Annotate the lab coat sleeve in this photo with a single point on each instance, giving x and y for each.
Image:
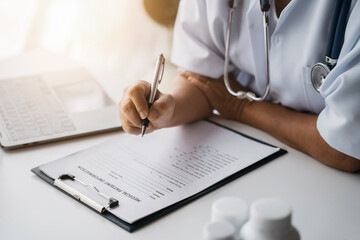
(339, 122)
(193, 47)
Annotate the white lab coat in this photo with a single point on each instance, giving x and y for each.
(298, 41)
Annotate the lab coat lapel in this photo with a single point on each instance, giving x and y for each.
(256, 33)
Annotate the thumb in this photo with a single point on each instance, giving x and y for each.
(162, 110)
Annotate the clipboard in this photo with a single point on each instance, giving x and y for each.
(131, 227)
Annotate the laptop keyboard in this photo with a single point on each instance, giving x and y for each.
(28, 109)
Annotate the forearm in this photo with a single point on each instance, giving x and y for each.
(191, 104)
(297, 130)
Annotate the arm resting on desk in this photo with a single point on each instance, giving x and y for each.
(297, 130)
(293, 128)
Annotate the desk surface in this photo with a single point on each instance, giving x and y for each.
(325, 201)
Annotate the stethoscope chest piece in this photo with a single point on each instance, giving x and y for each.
(318, 75)
(335, 42)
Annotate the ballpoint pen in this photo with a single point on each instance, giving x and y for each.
(158, 74)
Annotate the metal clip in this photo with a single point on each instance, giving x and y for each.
(112, 202)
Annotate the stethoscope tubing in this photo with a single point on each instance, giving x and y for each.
(242, 94)
(319, 71)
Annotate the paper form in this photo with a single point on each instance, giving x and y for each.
(150, 173)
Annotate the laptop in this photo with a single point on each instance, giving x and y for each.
(53, 106)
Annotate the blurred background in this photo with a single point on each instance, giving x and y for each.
(121, 36)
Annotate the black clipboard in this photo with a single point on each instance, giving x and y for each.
(156, 215)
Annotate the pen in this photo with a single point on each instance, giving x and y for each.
(158, 74)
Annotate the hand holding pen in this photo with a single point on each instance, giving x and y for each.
(158, 74)
(134, 106)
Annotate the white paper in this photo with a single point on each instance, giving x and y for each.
(150, 173)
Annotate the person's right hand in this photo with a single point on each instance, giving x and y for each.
(134, 106)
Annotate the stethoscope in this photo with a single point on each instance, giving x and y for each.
(319, 70)
(337, 32)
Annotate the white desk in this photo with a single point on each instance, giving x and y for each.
(326, 202)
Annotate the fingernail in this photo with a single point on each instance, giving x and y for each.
(143, 114)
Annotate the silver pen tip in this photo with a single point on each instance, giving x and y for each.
(143, 128)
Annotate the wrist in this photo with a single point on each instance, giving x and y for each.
(245, 112)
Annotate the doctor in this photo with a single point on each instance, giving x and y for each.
(324, 124)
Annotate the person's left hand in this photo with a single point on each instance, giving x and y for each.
(217, 95)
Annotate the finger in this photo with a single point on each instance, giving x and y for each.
(132, 130)
(151, 128)
(153, 113)
(204, 84)
(137, 94)
(128, 123)
(204, 87)
(161, 110)
(188, 74)
(181, 71)
(129, 128)
(157, 95)
(128, 113)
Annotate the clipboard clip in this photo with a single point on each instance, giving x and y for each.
(59, 182)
